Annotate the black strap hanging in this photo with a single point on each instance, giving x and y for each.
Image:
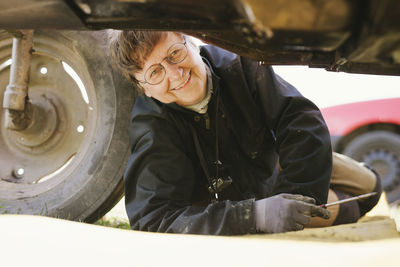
(217, 183)
(203, 164)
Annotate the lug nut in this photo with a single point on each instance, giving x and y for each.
(18, 173)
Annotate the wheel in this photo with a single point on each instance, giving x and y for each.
(69, 162)
(381, 150)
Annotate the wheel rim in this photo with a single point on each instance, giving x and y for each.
(386, 163)
(64, 107)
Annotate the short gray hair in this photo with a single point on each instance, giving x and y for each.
(129, 50)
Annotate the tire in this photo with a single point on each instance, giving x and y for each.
(381, 150)
(73, 165)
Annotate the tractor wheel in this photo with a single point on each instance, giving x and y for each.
(68, 163)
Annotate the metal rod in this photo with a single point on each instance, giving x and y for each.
(348, 199)
(16, 92)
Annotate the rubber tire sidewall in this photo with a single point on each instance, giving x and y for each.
(363, 143)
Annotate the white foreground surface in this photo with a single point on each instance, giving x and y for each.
(40, 241)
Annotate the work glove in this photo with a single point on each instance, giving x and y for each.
(286, 212)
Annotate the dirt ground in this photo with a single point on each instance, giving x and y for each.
(367, 229)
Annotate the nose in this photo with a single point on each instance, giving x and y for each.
(173, 71)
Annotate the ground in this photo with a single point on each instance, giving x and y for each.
(42, 241)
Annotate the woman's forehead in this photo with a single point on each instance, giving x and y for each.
(160, 50)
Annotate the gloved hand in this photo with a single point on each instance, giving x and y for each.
(286, 212)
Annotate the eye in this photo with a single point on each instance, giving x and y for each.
(175, 54)
(154, 73)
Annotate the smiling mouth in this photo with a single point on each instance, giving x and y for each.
(184, 83)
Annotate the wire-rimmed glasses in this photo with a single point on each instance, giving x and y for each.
(155, 74)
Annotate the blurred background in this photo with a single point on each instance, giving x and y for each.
(326, 88)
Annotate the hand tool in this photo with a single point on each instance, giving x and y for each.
(348, 199)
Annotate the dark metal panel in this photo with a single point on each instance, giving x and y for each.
(157, 14)
(304, 15)
(38, 14)
(349, 35)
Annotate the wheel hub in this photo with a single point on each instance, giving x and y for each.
(35, 159)
(386, 164)
(43, 124)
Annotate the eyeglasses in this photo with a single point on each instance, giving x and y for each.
(155, 74)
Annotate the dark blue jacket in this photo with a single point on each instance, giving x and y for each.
(262, 122)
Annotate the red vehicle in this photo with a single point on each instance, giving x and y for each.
(369, 131)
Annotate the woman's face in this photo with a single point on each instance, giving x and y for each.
(185, 82)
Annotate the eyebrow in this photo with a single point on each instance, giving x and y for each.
(184, 40)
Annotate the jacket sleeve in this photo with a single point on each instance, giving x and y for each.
(302, 137)
(159, 183)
